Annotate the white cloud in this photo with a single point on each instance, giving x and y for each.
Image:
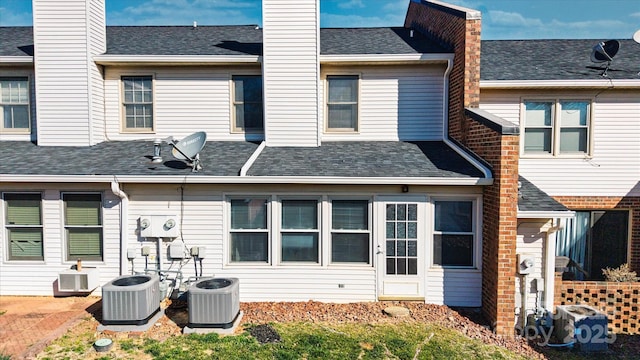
(512, 19)
(351, 4)
(636, 14)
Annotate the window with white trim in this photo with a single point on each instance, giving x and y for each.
(83, 226)
(454, 239)
(14, 105)
(350, 234)
(342, 103)
(247, 103)
(299, 232)
(249, 231)
(557, 127)
(23, 219)
(137, 101)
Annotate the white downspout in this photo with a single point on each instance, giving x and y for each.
(550, 262)
(124, 209)
(445, 125)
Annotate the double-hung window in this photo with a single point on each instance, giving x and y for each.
(342, 103)
(14, 105)
(249, 230)
(350, 234)
(83, 226)
(138, 103)
(247, 103)
(299, 232)
(557, 127)
(454, 235)
(24, 226)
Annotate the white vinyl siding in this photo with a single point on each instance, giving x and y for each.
(395, 103)
(291, 72)
(186, 100)
(531, 241)
(64, 84)
(613, 169)
(43, 274)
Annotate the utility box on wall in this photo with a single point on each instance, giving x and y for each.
(159, 226)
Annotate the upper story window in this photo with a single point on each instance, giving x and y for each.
(137, 100)
(14, 105)
(247, 103)
(83, 225)
(557, 127)
(342, 103)
(454, 236)
(24, 226)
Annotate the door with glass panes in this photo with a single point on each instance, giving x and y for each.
(400, 245)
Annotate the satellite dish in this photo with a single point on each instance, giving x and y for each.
(604, 52)
(189, 148)
(636, 36)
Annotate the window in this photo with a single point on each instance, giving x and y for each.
(138, 103)
(556, 127)
(595, 240)
(342, 103)
(299, 231)
(14, 104)
(247, 103)
(249, 241)
(453, 242)
(83, 226)
(350, 236)
(401, 238)
(24, 226)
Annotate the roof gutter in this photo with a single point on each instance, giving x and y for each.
(176, 59)
(189, 179)
(16, 60)
(386, 58)
(545, 214)
(524, 84)
(445, 128)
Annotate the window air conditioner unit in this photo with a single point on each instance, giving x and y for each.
(85, 280)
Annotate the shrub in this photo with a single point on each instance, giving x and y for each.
(620, 274)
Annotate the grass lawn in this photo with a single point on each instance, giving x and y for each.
(297, 341)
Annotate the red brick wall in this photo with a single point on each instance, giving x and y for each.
(452, 29)
(608, 203)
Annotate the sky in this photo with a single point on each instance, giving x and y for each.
(501, 19)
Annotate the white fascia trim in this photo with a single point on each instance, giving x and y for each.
(327, 180)
(545, 214)
(600, 83)
(471, 14)
(247, 165)
(10, 60)
(176, 59)
(386, 58)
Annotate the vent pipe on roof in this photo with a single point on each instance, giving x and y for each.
(411, 33)
(195, 24)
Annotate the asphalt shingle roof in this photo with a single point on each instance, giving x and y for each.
(232, 40)
(531, 198)
(340, 159)
(554, 60)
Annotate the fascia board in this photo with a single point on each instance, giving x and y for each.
(524, 84)
(545, 214)
(385, 58)
(16, 60)
(195, 179)
(175, 59)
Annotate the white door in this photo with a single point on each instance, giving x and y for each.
(400, 238)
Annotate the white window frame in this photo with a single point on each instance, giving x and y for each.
(14, 130)
(101, 226)
(476, 227)
(355, 129)
(123, 104)
(232, 87)
(268, 230)
(330, 231)
(280, 230)
(556, 127)
(8, 257)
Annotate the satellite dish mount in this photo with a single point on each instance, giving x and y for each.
(604, 52)
(188, 149)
